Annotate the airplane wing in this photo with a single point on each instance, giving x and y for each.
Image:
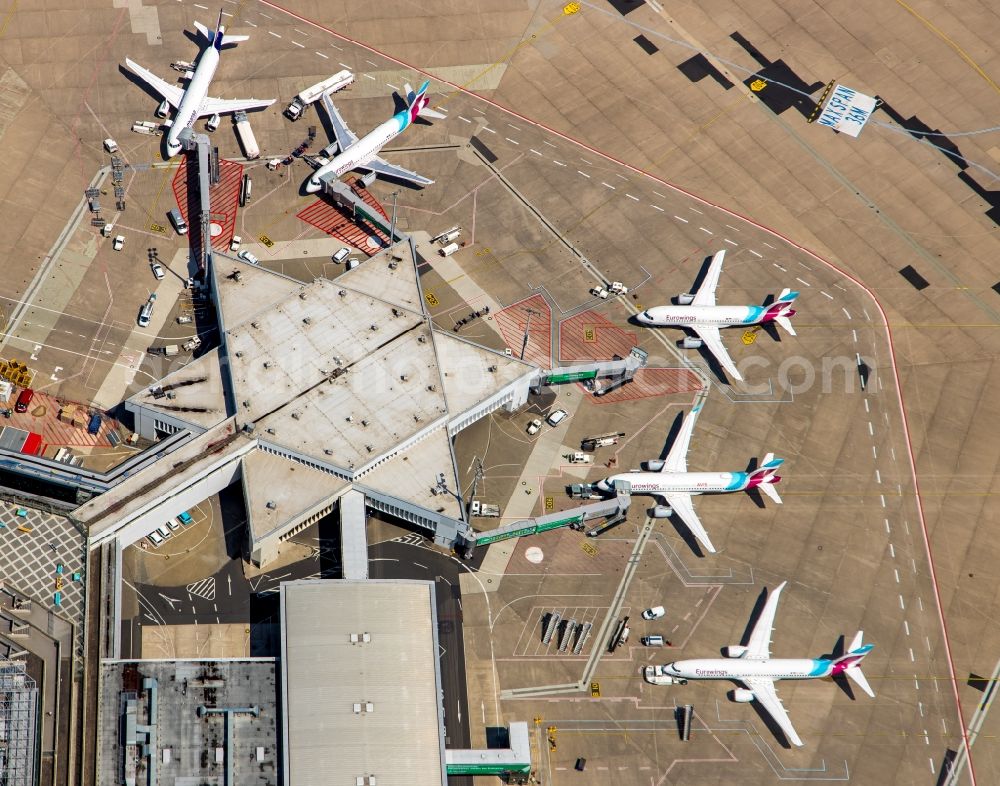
(706, 292)
(683, 507)
(767, 697)
(759, 646)
(383, 167)
(172, 93)
(676, 460)
(343, 136)
(219, 106)
(713, 343)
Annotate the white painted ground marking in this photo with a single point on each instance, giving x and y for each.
(514, 126)
(871, 430)
(896, 573)
(487, 128)
(901, 604)
(802, 281)
(681, 219)
(608, 185)
(913, 564)
(892, 551)
(325, 57)
(912, 657)
(731, 242)
(583, 173)
(892, 452)
(867, 318)
(300, 46)
(271, 32)
(920, 603)
(547, 143)
(512, 141)
(387, 84)
(866, 406)
(767, 244)
(906, 627)
(882, 497)
(655, 192)
(927, 641)
(345, 66)
(827, 294)
(371, 63)
(250, 23)
(878, 476)
(929, 759)
(855, 334)
(464, 118)
(657, 207)
(369, 76)
(846, 312)
(631, 197)
(696, 210)
(706, 231)
(558, 163)
(887, 526)
(783, 270)
(534, 151)
(759, 256)
(730, 226)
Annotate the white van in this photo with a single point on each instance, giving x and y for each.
(162, 532)
(652, 641)
(178, 221)
(654, 613)
(154, 539)
(341, 255)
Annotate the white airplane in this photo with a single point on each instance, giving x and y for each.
(673, 486)
(699, 313)
(193, 102)
(363, 153)
(754, 668)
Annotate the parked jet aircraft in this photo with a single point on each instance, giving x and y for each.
(671, 484)
(699, 313)
(192, 102)
(362, 153)
(754, 668)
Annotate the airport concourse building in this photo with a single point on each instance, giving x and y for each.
(316, 390)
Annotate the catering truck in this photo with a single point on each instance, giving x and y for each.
(331, 84)
(245, 133)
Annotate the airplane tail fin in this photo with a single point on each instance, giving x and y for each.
(786, 323)
(218, 37)
(234, 39)
(850, 664)
(781, 310)
(419, 100)
(764, 477)
(207, 34)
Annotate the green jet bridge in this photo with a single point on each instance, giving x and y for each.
(494, 761)
(606, 375)
(613, 509)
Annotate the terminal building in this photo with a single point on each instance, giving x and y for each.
(315, 390)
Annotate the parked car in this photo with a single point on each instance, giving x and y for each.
(557, 417)
(157, 269)
(118, 242)
(246, 256)
(24, 400)
(600, 292)
(341, 255)
(654, 613)
(234, 244)
(534, 425)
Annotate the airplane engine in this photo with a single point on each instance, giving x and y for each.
(661, 512)
(735, 651)
(163, 109)
(689, 343)
(653, 465)
(684, 299)
(742, 695)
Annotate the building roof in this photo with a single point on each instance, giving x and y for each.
(394, 280)
(469, 370)
(193, 392)
(369, 707)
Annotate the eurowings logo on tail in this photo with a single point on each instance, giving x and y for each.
(418, 101)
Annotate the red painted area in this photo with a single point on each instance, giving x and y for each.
(591, 336)
(336, 222)
(652, 382)
(53, 432)
(225, 197)
(512, 321)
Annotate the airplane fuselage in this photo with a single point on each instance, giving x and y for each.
(365, 149)
(738, 669)
(654, 483)
(717, 316)
(194, 97)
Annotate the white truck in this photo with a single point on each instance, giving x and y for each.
(331, 84)
(657, 675)
(448, 250)
(110, 145)
(448, 236)
(145, 127)
(484, 509)
(617, 288)
(581, 458)
(245, 133)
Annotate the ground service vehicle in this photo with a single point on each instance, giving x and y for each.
(581, 458)
(654, 613)
(146, 311)
(94, 426)
(448, 250)
(657, 675)
(234, 244)
(331, 84)
(617, 288)
(180, 225)
(24, 400)
(119, 243)
(652, 641)
(341, 255)
(213, 122)
(243, 130)
(110, 145)
(600, 292)
(246, 256)
(534, 425)
(556, 417)
(157, 269)
(449, 235)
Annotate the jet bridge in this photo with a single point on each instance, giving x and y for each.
(612, 509)
(616, 372)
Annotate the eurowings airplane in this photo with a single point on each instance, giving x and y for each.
(362, 153)
(193, 102)
(699, 313)
(673, 486)
(757, 671)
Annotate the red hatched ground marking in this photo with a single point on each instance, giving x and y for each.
(591, 336)
(512, 321)
(335, 221)
(225, 198)
(53, 431)
(652, 382)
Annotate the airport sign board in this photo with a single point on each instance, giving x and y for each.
(847, 110)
